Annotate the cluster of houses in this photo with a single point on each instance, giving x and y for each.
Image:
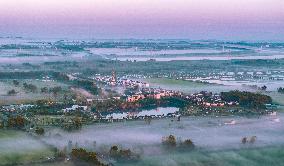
(154, 93)
(277, 75)
(75, 108)
(207, 99)
(109, 80)
(133, 83)
(114, 81)
(16, 107)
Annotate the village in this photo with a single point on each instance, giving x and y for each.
(136, 97)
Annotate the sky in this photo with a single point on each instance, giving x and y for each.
(107, 19)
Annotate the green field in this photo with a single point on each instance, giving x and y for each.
(22, 95)
(277, 97)
(186, 86)
(272, 156)
(17, 147)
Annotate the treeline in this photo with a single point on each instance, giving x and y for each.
(257, 62)
(88, 85)
(113, 105)
(18, 46)
(69, 47)
(33, 75)
(14, 122)
(22, 75)
(247, 99)
(30, 87)
(163, 102)
(82, 155)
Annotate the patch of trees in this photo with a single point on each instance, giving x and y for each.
(263, 88)
(44, 90)
(81, 154)
(11, 92)
(163, 102)
(247, 99)
(17, 122)
(70, 47)
(147, 103)
(21, 75)
(256, 62)
(122, 154)
(53, 90)
(172, 142)
(250, 140)
(30, 87)
(109, 105)
(62, 64)
(88, 85)
(39, 130)
(74, 124)
(18, 46)
(113, 105)
(280, 90)
(174, 102)
(16, 83)
(60, 76)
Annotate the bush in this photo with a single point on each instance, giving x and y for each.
(188, 144)
(169, 141)
(39, 131)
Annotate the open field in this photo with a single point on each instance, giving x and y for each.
(188, 86)
(216, 141)
(193, 87)
(18, 148)
(243, 157)
(23, 96)
(277, 97)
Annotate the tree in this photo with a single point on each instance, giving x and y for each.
(169, 141)
(56, 90)
(247, 99)
(30, 87)
(122, 154)
(264, 88)
(80, 154)
(188, 143)
(39, 131)
(44, 90)
(12, 92)
(16, 83)
(16, 122)
(280, 90)
(113, 151)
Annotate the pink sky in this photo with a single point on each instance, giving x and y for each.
(196, 19)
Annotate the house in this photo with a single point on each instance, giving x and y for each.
(75, 107)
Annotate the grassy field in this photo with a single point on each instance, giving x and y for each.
(22, 95)
(272, 156)
(277, 97)
(185, 86)
(18, 148)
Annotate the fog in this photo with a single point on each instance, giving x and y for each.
(217, 138)
(208, 133)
